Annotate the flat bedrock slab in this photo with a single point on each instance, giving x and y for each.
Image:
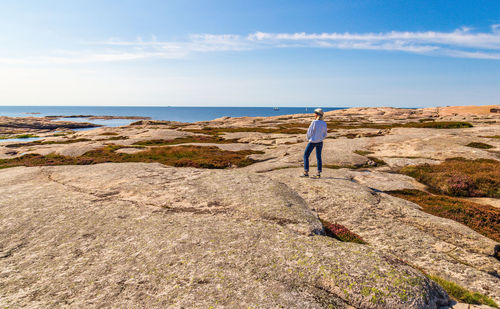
(135, 234)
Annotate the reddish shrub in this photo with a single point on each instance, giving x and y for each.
(483, 219)
(460, 177)
(461, 185)
(341, 233)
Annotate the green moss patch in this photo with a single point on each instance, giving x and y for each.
(479, 145)
(483, 219)
(341, 233)
(463, 295)
(179, 156)
(363, 152)
(460, 177)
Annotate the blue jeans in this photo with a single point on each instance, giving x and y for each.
(307, 153)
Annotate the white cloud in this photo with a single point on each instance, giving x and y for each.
(458, 38)
(461, 43)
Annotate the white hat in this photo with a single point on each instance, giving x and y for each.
(319, 111)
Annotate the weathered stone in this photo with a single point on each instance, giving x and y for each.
(143, 235)
(159, 237)
(439, 246)
(42, 123)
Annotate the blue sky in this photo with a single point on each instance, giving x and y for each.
(250, 53)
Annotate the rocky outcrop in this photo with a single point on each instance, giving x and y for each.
(42, 123)
(143, 235)
(439, 246)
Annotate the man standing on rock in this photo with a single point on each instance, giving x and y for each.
(315, 136)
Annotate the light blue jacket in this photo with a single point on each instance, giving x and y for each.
(317, 131)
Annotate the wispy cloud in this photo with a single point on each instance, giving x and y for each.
(460, 43)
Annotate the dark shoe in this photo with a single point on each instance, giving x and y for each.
(305, 175)
(317, 176)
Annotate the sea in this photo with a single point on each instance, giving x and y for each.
(172, 113)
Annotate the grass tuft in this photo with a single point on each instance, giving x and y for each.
(378, 162)
(483, 219)
(36, 143)
(113, 138)
(25, 136)
(109, 133)
(18, 136)
(60, 134)
(463, 295)
(479, 145)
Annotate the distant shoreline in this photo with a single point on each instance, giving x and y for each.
(181, 114)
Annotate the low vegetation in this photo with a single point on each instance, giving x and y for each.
(483, 219)
(457, 292)
(460, 177)
(179, 156)
(363, 152)
(378, 162)
(491, 136)
(359, 135)
(428, 125)
(479, 145)
(113, 138)
(301, 127)
(64, 141)
(463, 295)
(18, 136)
(439, 125)
(341, 233)
(108, 133)
(36, 143)
(214, 139)
(170, 124)
(61, 134)
(282, 129)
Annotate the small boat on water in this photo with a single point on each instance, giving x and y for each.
(276, 108)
